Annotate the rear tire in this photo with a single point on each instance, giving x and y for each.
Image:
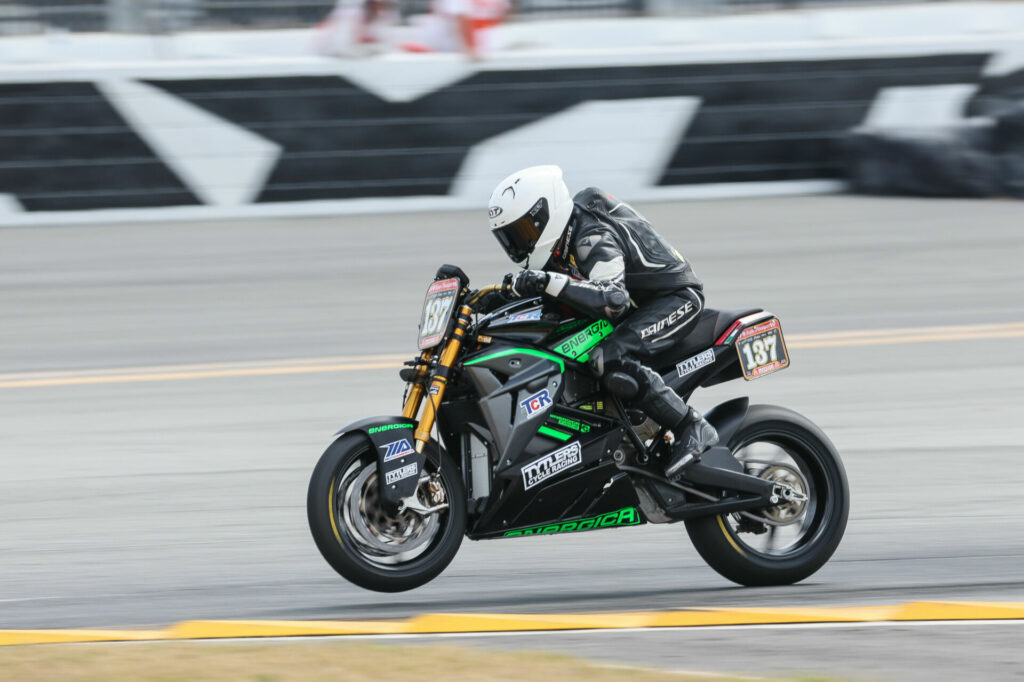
(721, 540)
(350, 461)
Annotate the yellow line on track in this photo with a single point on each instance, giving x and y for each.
(446, 623)
(218, 370)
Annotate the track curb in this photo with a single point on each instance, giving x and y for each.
(449, 623)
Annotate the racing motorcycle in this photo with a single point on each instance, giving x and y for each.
(527, 441)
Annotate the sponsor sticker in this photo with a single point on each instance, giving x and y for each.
(759, 328)
(400, 473)
(494, 211)
(675, 316)
(536, 403)
(552, 464)
(523, 317)
(691, 365)
(396, 449)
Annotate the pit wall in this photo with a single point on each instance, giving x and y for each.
(293, 136)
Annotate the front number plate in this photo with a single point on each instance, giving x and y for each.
(437, 311)
(762, 349)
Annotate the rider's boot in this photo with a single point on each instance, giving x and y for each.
(693, 436)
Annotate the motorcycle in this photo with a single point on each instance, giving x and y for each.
(529, 442)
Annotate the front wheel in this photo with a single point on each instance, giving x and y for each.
(786, 543)
(367, 544)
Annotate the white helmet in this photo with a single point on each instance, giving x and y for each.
(528, 209)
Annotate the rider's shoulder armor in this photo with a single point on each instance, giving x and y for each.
(652, 265)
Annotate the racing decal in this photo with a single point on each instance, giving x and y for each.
(551, 464)
(676, 315)
(536, 403)
(691, 365)
(400, 473)
(396, 449)
(494, 211)
(623, 517)
(759, 328)
(388, 427)
(570, 423)
(524, 317)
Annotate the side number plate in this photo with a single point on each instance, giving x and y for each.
(762, 349)
(437, 311)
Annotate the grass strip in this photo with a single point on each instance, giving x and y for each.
(303, 662)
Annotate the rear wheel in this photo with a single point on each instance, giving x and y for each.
(785, 543)
(382, 550)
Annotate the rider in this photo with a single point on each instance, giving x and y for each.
(608, 262)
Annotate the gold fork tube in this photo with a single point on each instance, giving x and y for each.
(439, 381)
(412, 403)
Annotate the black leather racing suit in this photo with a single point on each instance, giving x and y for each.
(610, 263)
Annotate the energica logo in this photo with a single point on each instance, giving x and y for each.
(536, 403)
(622, 517)
(388, 427)
(396, 449)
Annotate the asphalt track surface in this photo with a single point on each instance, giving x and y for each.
(152, 501)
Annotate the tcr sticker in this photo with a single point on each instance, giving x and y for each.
(536, 403)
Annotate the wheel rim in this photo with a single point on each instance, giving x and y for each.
(386, 540)
(789, 528)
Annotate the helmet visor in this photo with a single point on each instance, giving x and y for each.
(520, 236)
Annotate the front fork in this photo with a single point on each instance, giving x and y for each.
(438, 382)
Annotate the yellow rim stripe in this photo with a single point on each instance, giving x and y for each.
(485, 622)
(728, 535)
(220, 370)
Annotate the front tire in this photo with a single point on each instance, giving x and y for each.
(780, 444)
(367, 545)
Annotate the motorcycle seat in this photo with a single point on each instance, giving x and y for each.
(710, 326)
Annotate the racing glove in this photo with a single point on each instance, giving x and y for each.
(527, 283)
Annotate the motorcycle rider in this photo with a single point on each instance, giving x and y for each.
(608, 262)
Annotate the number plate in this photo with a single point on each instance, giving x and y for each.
(762, 349)
(437, 311)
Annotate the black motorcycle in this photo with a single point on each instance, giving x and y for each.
(528, 442)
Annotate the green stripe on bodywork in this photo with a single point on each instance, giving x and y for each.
(579, 345)
(551, 433)
(518, 351)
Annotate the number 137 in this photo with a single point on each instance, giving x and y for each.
(761, 351)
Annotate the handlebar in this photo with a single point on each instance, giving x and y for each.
(505, 288)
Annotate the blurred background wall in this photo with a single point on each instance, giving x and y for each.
(744, 98)
(21, 16)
